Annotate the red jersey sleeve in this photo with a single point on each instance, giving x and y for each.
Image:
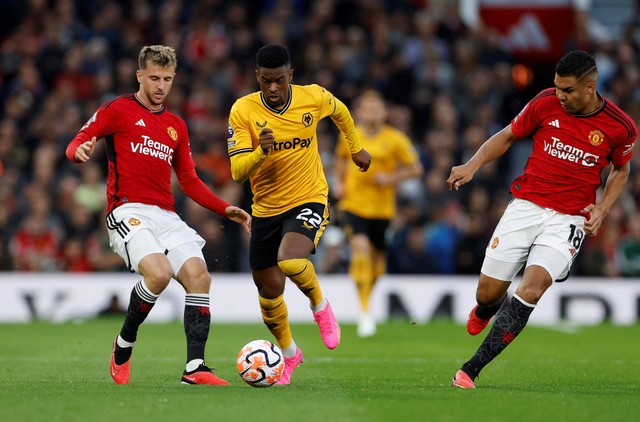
(528, 120)
(98, 127)
(190, 183)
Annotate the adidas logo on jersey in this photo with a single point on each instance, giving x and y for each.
(555, 123)
(140, 123)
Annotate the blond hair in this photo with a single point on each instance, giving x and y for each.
(159, 55)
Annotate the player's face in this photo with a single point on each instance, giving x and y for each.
(274, 84)
(574, 95)
(155, 84)
(372, 110)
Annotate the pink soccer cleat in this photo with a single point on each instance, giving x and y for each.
(289, 365)
(329, 328)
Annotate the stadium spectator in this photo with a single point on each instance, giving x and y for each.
(413, 48)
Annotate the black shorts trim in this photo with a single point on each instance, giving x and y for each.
(374, 229)
(308, 219)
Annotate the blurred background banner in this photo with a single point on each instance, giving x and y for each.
(531, 29)
(57, 297)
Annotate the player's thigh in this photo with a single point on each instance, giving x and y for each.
(187, 262)
(307, 221)
(266, 234)
(558, 245)
(512, 238)
(132, 249)
(552, 260)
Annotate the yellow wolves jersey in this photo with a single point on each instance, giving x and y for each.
(389, 149)
(291, 173)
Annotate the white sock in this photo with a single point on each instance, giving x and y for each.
(320, 306)
(193, 365)
(124, 343)
(290, 351)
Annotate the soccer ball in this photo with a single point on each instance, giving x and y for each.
(260, 363)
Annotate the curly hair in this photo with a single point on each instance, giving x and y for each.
(272, 56)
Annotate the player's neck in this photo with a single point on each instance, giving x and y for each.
(593, 105)
(371, 129)
(145, 101)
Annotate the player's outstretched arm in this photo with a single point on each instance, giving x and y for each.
(79, 151)
(493, 148)
(240, 216)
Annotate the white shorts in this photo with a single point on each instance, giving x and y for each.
(137, 230)
(528, 233)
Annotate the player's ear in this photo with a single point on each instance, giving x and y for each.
(290, 75)
(138, 75)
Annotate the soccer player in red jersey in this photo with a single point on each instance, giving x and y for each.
(576, 134)
(144, 142)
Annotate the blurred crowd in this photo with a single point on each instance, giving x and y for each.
(449, 85)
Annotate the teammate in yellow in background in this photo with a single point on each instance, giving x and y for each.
(369, 199)
(273, 143)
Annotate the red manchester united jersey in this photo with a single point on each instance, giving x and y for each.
(569, 151)
(142, 146)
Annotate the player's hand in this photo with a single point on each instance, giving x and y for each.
(459, 176)
(240, 216)
(362, 159)
(84, 151)
(594, 222)
(266, 139)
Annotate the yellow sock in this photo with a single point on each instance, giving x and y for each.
(379, 267)
(361, 270)
(303, 274)
(276, 318)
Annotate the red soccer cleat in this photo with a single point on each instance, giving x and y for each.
(475, 325)
(202, 375)
(119, 373)
(462, 380)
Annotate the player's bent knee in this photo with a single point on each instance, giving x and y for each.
(195, 276)
(292, 267)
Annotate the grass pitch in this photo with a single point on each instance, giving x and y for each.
(52, 372)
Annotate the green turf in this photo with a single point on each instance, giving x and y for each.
(59, 372)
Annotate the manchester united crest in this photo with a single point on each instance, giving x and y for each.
(173, 133)
(134, 222)
(596, 137)
(495, 242)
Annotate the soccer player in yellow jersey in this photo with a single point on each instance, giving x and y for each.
(368, 200)
(273, 143)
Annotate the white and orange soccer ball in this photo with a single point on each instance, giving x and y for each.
(260, 363)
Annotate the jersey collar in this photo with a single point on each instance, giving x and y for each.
(275, 110)
(158, 111)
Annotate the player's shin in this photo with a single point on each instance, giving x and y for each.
(140, 304)
(361, 270)
(302, 272)
(276, 318)
(510, 321)
(197, 322)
